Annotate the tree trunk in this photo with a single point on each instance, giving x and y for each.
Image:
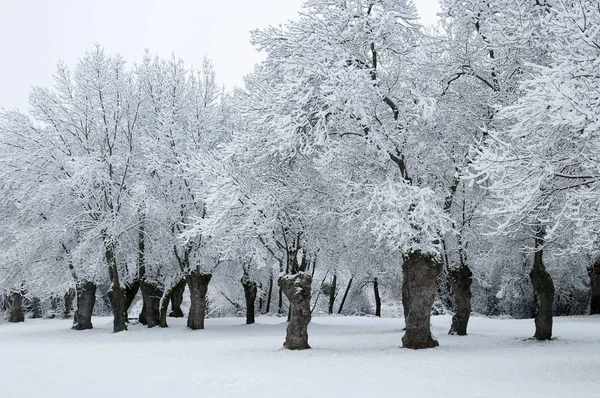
(16, 307)
(118, 301)
(280, 302)
(296, 288)
(151, 295)
(460, 279)
(420, 272)
(131, 290)
(86, 298)
(345, 295)
(177, 299)
(54, 304)
(377, 297)
(332, 293)
(261, 299)
(198, 285)
(250, 290)
(543, 289)
(164, 304)
(594, 273)
(36, 308)
(68, 298)
(269, 294)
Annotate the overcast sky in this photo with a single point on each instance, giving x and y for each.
(35, 34)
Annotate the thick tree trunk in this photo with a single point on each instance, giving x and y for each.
(250, 290)
(198, 285)
(377, 297)
(345, 295)
(296, 288)
(420, 272)
(151, 295)
(460, 279)
(177, 299)
(594, 273)
(16, 307)
(68, 299)
(86, 298)
(269, 294)
(543, 289)
(332, 293)
(36, 308)
(118, 301)
(164, 303)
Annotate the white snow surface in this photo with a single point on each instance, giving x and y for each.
(350, 357)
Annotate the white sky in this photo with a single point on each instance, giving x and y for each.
(35, 34)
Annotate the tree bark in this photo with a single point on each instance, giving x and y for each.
(420, 272)
(280, 302)
(345, 295)
(461, 279)
(118, 301)
(36, 308)
(68, 299)
(543, 289)
(164, 303)
(151, 295)
(250, 290)
(377, 297)
(297, 289)
(177, 299)
(131, 290)
(332, 293)
(198, 285)
(269, 294)
(594, 273)
(16, 307)
(86, 298)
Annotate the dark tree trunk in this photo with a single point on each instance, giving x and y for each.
(177, 299)
(250, 290)
(280, 302)
(594, 273)
(269, 294)
(460, 279)
(36, 308)
(54, 305)
(332, 293)
(419, 273)
(377, 297)
(261, 299)
(345, 295)
(86, 298)
(543, 289)
(198, 285)
(297, 288)
(164, 303)
(118, 301)
(68, 299)
(16, 307)
(131, 290)
(151, 295)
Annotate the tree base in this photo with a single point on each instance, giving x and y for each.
(86, 299)
(419, 273)
(297, 288)
(198, 285)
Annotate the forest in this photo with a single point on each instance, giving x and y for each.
(369, 166)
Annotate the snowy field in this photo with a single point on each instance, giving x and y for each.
(351, 357)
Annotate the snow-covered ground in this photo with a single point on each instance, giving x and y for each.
(351, 357)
